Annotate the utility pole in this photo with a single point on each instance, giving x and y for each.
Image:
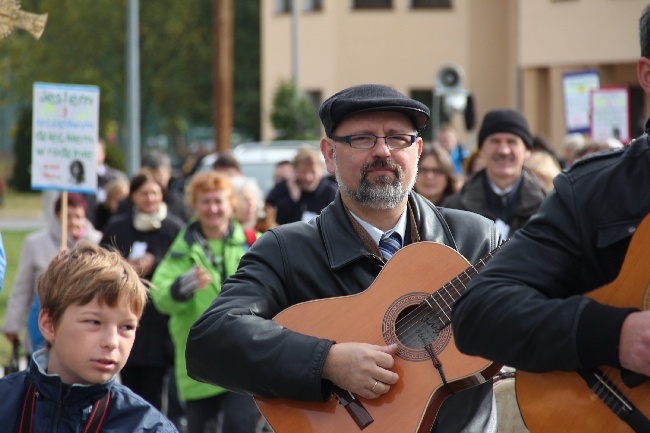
(133, 87)
(295, 47)
(223, 73)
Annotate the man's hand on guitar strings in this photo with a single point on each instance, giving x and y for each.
(363, 369)
(634, 343)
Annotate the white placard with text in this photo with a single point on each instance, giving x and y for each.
(65, 131)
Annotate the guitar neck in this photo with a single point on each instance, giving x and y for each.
(442, 300)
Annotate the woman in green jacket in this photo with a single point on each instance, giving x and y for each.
(186, 282)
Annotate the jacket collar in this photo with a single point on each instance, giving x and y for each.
(193, 233)
(473, 195)
(346, 241)
(51, 387)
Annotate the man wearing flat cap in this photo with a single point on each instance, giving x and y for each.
(371, 146)
(503, 191)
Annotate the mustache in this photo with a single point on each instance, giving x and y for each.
(380, 163)
(503, 157)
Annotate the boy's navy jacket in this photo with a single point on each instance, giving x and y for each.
(63, 408)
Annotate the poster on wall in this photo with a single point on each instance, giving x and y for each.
(65, 132)
(610, 114)
(577, 88)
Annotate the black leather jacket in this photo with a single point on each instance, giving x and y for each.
(524, 309)
(234, 344)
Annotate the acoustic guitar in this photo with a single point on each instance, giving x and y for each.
(603, 399)
(399, 307)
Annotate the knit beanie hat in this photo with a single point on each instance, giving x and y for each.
(505, 120)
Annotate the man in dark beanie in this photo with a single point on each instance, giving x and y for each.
(371, 145)
(503, 191)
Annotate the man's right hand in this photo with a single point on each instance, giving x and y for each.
(363, 369)
(294, 189)
(203, 277)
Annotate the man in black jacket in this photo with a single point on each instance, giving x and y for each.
(528, 308)
(372, 146)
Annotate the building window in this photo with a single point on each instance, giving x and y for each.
(430, 4)
(315, 97)
(426, 97)
(372, 4)
(282, 6)
(286, 6)
(312, 5)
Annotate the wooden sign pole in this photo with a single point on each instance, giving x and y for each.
(63, 216)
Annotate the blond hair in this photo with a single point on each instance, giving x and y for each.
(206, 182)
(86, 272)
(117, 189)
(307, 156)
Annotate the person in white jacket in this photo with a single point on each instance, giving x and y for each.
(37, 251)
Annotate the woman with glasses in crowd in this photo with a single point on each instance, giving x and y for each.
(436, 179)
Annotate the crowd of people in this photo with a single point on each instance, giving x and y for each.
(156, 312)
(185, 240)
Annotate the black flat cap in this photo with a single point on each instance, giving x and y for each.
(370, 97)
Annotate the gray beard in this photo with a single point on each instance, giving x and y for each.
(385, 193)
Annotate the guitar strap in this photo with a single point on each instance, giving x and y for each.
(93, 425)
(445, 226)
(438, 365)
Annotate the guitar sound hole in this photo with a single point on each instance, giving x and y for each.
(415, 330)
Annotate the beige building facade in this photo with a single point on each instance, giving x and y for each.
(514, 53)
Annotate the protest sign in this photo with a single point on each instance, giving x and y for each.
(65, 132)
(577, 87)
(610, 113)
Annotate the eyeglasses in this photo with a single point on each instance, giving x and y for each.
(434, 171)
(368, 141)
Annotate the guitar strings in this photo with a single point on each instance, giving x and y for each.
(441, 306)
(436, 306)
(613, 375)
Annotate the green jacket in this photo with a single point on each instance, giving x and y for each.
(185, 252)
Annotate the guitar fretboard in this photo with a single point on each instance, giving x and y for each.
(434, 313)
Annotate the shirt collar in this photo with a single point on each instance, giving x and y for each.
(506, 190)
(376, 234)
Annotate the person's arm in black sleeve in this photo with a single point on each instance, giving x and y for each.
(236, 345)
(526, 308)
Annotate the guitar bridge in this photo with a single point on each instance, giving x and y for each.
(615, 400)
(354, 407)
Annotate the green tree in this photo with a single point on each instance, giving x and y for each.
(84, 43)
(293, 115)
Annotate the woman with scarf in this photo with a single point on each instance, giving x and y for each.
(143, 236)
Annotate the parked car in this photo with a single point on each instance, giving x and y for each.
(258, 159)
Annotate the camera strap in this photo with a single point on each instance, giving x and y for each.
(93, 425)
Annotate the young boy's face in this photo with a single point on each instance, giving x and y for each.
(91, 342)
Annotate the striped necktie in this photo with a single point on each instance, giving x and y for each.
(388, 245)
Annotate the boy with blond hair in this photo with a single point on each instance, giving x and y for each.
(91, 302)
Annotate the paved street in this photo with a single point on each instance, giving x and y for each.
(21, 223)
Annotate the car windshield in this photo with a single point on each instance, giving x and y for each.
(263, 173)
